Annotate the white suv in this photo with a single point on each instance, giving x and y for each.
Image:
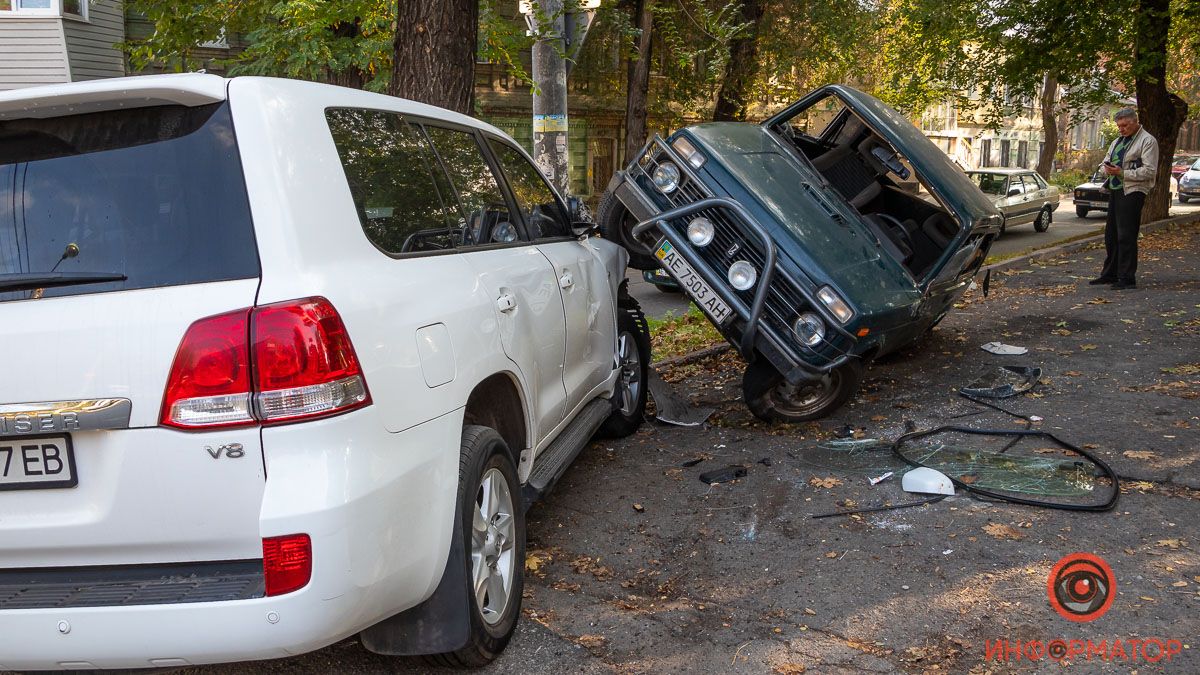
(284, 362)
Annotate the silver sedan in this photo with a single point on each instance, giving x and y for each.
(1021, 195)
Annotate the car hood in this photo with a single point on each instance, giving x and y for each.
(941, 175)
(1090, 185)
(1190, 174)
(842, 251)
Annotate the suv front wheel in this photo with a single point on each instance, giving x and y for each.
(616, 225)
(771, 398)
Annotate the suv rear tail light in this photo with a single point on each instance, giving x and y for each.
(287, 563)
(276, 363)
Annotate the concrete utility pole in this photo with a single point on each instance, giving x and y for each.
(559, 26)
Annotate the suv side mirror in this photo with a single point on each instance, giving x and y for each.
(582, 223)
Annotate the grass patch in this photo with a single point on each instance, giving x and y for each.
(678, 335)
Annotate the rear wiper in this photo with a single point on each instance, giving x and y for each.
(28, 281)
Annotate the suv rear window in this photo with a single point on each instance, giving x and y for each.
(155, 195)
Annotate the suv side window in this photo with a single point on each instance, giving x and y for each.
(543, 212)
(483, 215)
(387, 165)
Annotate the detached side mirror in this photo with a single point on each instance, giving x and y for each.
(582, 223)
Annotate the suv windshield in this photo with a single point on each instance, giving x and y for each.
(122, 200)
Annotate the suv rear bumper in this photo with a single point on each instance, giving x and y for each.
(379, 509)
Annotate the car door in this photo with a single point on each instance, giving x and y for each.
(580, 274)
(528, 311)
(1014, 205)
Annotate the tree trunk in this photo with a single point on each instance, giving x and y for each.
(1160, 111)
(734, 97)
(434, 52)
(1049, 126)
(638, 83)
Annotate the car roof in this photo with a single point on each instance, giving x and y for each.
(191, 89)
(1007, 171)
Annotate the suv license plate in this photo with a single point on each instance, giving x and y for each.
(696, 287)
(37, 462)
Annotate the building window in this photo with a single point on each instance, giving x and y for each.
(1023, 154)
(75, 8)
(985, 152)
(1005, 152)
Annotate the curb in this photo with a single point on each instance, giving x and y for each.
(1069, 247)
(1080, 244)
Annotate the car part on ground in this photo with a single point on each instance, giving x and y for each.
(1003, 382)
(672, 407)
(814, 242)
(927, 481)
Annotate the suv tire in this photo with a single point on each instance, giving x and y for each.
(633, 354)
(1044, 219)
(493, 523)
(616, 225)
(770, 398)
(1081, 211)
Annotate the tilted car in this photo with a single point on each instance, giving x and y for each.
(1021, 195)
(1092, 195)
(1189, 184)
(284, 362)
(828, 235)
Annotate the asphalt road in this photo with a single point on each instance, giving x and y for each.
(1016, 240)
(645, 569)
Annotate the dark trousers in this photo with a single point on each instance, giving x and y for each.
(1121, 235)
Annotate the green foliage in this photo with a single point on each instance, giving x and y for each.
(1067, 180)
(678, 335)
(1108, 132)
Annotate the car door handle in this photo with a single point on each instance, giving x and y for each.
(506, 302)
(566, 280)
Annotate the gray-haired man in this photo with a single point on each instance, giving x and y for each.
(1131, 165)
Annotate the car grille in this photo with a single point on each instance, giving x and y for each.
(784, 301)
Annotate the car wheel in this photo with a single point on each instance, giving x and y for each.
(1043, 220)
(1184, 200)
(771, 398)
(616, 225)
(633, 358)
(493, 525)
(662, 288)
(1081, 211)
(1003, 226)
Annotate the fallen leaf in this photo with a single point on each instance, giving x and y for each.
(1087, 348)
(535, 559)
(1060, 331)
(878, 418)
(1139, 454)
(1180, 584)
(1099, 301)
(809, 611)
(969, 479)
(1169, 543)
(831, 554)
(1002, 531)
(592, 641)
(639, 508)
(1072, 373)
(790, 669)
(830, 482)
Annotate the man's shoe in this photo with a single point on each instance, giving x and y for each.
(1102, 281)
(1124, 285)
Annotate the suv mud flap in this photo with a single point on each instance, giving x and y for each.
(440, 624)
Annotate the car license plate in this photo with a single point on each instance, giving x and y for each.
(37, 462)
(696, 287)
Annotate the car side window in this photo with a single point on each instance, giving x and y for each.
(1015, 185)
(387, 164)
(1041, 182)
(1031, 185)
(483, 211)
(543, 212)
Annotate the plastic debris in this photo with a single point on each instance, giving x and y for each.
(927, 481)
(723, 475)
(877, 481)
(672, 407)
(1004, 381)
(1004, 350)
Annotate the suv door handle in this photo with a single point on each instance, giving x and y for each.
(506, 302)
(566, 280)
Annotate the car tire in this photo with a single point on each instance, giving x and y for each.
(1184, 200)
(616, 225)
(1044, 218)
(493, 522)
(633, 356)
(770, 398)
(674, 290)
(1081, 211)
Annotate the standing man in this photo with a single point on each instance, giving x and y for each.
(1131, 165)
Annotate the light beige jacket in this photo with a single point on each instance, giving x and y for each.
(1140, 163)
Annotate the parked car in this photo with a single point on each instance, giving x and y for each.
(1189, 184)
(1181, 163)
(796, 239)
(1021, 195)
(287, 362)
(1092, 195)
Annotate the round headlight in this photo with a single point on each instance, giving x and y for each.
(809, 328)
(742, 275)
(701, 231)
(666, 177)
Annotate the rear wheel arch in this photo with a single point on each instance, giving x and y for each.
(497, 402)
